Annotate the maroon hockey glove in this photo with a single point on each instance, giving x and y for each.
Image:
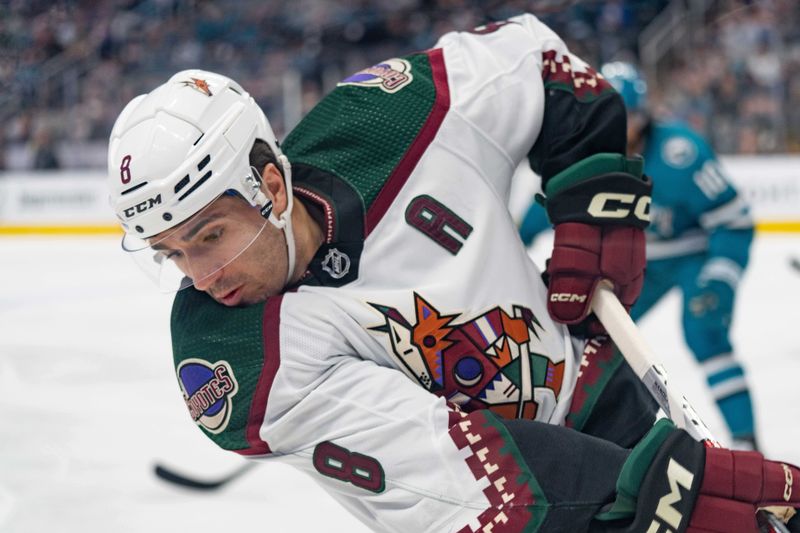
(735, 485)
(585, 254)
(600, 207)
(671, 482)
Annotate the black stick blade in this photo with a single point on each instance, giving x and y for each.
(171, 476)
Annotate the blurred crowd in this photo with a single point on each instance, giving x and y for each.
(740, 83)
(68, 67)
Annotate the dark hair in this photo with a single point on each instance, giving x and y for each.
(261, 154)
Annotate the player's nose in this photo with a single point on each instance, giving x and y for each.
(204, 278)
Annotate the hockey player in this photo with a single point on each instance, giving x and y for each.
(356, 303)
(698, 240)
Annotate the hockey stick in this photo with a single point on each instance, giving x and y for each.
(643, 361)
(181, 480)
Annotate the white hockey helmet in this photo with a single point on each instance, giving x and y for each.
(175, 150)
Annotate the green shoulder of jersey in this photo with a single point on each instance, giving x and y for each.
(361, 131)
(219, 358)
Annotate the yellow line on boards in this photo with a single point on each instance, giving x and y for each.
(771, 226)
(775, 226)
(60, 230)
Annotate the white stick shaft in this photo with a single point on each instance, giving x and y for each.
(644, 363)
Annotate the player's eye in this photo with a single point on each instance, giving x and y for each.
(213, 236)
(173, 254)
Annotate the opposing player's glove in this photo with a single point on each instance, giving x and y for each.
(600, 207)
(673, 483)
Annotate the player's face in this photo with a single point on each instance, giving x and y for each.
(229, 251)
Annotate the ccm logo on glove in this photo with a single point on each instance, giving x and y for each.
(567, 297)
(676, 475)
(787, 489)
(618, 205)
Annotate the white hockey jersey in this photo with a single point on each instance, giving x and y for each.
(421, 319)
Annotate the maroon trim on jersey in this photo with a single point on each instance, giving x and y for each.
(327, 209)
(272, 360)
(403, 170)
(496, 459)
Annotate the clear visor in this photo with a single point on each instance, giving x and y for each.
(196, 251)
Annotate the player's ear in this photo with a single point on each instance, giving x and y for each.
(273, 185)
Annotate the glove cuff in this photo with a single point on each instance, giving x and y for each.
(596, 165)
(601, 189)
(633, 471)
(659, 481)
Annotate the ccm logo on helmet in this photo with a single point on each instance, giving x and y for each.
(141, 207)
(618, 205)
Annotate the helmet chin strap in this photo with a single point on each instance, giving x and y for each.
(284, 222)
(290, 247)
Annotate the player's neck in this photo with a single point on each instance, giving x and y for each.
(308, 236)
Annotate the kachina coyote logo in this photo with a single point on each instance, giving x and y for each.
(488, 362)
(207, 390)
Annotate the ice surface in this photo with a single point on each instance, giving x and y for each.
(88, 402)
(88, 398)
